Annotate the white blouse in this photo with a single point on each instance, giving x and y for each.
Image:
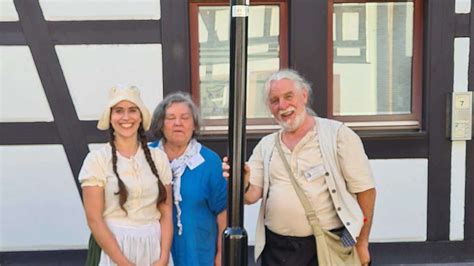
(138, 178)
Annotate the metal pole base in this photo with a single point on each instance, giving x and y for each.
(234, 243)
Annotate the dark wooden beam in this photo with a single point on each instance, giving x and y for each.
(396, 148)
(93, 134)
(308, 50)
(22, 133)
(175, 43)
(11, 34)
(105, 32)
(89, 32)
(462, 25)
(437, 252)
(31, 133)
(438, 82)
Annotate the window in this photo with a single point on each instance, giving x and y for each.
(267, 52)
(376, 71)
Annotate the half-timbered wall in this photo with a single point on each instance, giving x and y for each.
(59, 58)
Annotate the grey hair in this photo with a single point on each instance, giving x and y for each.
(300, 82)
(157, 121)
(290, 74)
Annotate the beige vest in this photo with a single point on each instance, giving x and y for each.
(345, 202)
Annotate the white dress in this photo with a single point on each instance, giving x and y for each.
(140, 244)
(138, 232)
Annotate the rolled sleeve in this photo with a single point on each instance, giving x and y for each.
(353, 161)
(256, 166)
(92, 172)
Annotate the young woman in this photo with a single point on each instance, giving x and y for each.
(126, 189)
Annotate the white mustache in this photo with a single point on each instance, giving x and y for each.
(284, 112)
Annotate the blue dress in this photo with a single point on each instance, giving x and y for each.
(204, 193)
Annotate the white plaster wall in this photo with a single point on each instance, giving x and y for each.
(401, 205)
(463, 6)
(458, 186)
(91, 70)
(39, 202)
(22, 98)
(461, 64)
(8, 11)
(458, 148)
(95, 146)
(250, 220)
(100, 9)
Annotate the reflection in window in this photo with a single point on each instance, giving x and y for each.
(373, 44)
(263, 58)
(349, 34)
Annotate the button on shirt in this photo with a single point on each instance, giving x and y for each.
(135, 172)
(284, 213)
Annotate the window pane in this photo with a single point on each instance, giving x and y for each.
(372, 58)
(263, 58)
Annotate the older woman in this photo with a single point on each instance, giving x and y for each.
(199, 189)
(126, 189)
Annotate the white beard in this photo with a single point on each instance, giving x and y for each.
(293, 125)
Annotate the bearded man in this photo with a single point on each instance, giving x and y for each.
(329, 163)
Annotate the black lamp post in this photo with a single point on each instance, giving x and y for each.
(235, 237)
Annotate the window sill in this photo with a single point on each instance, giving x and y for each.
(260, 130)
(392, 134)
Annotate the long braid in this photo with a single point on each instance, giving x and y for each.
(149, 159)
(122, 192)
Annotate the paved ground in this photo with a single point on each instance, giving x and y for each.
(77, 258)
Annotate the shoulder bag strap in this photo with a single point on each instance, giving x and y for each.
(310, 213)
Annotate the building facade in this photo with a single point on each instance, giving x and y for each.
(385, 68)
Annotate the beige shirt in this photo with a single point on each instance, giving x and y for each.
(284, 213)
(139, 180)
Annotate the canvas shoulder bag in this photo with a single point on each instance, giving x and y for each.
(328, 245)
